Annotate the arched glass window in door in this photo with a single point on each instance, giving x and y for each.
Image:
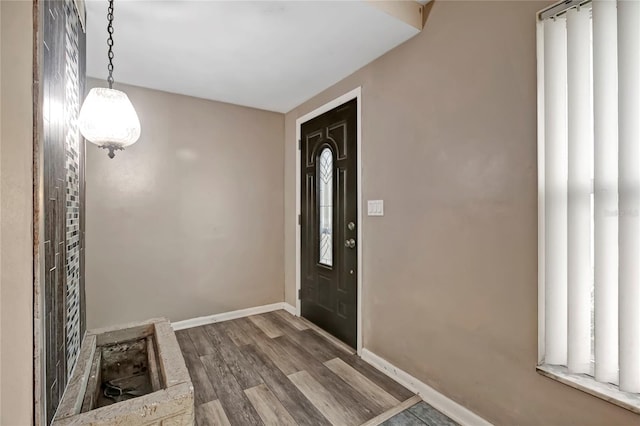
(326, 206)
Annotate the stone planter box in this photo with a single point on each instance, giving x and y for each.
(129, 375)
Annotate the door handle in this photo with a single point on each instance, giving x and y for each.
(350, 243)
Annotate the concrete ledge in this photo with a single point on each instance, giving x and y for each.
(170, 401)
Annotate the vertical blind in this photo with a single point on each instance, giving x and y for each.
(591, 181)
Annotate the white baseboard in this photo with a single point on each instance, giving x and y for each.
(431, 396)
(289, 308)
(226, 316)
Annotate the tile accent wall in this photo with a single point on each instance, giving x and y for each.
(72, 148)
(63, 82)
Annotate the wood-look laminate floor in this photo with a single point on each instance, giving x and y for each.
(277, 369)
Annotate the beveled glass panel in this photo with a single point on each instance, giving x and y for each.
(325, 197)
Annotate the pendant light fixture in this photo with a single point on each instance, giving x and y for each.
(107, 117)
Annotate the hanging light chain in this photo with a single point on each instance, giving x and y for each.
(110, 43)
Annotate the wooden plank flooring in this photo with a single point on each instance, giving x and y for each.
(277, 369)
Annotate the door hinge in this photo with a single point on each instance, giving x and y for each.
(299, 294)
(299, 144)
(299, 219)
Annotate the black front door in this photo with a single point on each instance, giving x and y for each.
(329, 226)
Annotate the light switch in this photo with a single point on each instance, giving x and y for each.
(375, 207)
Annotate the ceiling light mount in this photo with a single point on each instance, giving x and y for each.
(107, 117)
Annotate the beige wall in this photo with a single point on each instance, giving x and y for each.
(188, 221)
(450, 271)
(1, 117)
(16, 206)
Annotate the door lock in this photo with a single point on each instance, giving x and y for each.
(351, 226)
(350, 243)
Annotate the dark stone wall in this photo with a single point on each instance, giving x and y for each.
(63, 82)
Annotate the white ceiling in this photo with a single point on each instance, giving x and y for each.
(270, 55)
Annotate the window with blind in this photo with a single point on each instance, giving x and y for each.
(589, 197)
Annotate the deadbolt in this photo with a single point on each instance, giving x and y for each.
(351, 226)
(350, 243)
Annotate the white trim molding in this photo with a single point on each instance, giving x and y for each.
(447, 406)
(541, 192)
(354, 94)
(290, 308)
(585, 383)
(226, 316)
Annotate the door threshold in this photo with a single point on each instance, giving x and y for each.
(381, 418)
(330, 337)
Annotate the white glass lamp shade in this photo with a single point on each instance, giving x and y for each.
(108, 119)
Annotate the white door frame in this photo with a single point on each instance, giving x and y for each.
(354, 94)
